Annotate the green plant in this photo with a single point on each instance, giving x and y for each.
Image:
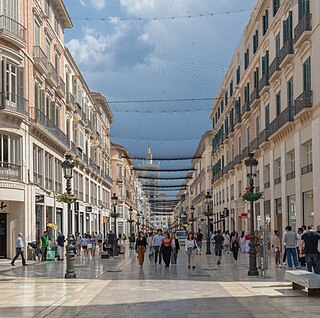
(249, 195)
(66, 198)
(114, 215)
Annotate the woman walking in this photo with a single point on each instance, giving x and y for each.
(276, 244)
(141, 244)
(166, 248)
(235, 245)
(191, 247)
(92, 243)
(242, 243)
(84, 244)
(176, 249)
(149, 242)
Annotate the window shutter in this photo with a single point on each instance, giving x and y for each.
(42, 101)
(52, 111)
(20, 100)
(285, 31)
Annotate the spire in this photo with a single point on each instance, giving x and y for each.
(149, 155)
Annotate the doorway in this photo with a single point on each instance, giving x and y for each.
(3, 235)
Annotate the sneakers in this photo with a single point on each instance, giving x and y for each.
(193, 267)
(12, 264)
(189, 266)
(218, 262)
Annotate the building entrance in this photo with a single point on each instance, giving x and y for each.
(3, 235)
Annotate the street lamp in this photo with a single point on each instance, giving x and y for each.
(208, 203)
(130, 219)
(192, 218)
(67, 167)
(251, 164)
(114, 199)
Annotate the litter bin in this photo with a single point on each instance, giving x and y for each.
(51, 251)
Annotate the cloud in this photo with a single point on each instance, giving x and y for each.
(97, 4)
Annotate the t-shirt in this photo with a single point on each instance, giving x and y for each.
(218, 239)
(199, 237)
(60, 240)
(310, 242)
(100, 236)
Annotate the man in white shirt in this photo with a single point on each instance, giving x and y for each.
(156, 243)
(19, 250)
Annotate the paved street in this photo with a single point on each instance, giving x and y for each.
(119, 288)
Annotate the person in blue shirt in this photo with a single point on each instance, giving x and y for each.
(156, 243)
(60, 241)
(19, 250)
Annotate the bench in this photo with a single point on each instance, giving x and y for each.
(104, 254)
(303, 279)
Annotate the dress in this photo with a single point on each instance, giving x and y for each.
(167, 249)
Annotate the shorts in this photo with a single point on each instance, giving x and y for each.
(84, 247)
(199, 244)
(218, 250)
(190, 250)
(99, 241)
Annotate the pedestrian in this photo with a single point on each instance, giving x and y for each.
(150, 247)
(276, 245)
(191, 248)
(122, 248)
(290, 239)
(166, 248)
(218, 246)
(84, 245)
(309, 248)
(242, 243)
(19, 250)
(257, 242)
(176, 249)
(111, 242)
(247, 238)
(78, 244)
(100, 238)
(226, 242)
(60, 241)
(301, 259)
(44, 245)
(199, 239)
(235, 245)
(156, 243)
(284, 258)
(141, 245)
(132, 240)
(92, 243)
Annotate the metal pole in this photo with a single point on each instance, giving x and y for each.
(192, 223)
(115, 247)
(208, 234)
(70, 247)
(253, 270)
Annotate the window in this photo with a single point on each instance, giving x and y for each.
(304, 8)
(267, 116)
(257, 126)
(308, 152)
(231, 88)
(58, 176)
(255, 42)
(37, 165)
(80, 186)
(48, 50)
(238, 75)
(265, 63)
(278, 104)
(48, 171)
(240, 145)
(292, 161)
(275, 6)
(307, 75)
(278, 45)
(290, 93)
(36, 34)
(277, 168)
(246, 59)
(287, 28)
(256, 77)
(265, 22)
(226, 98)
(11, 83)
(87, 189)
(232, 152)
(247, 93)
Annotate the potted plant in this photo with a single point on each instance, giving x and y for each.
(66, 198)
(114, 215)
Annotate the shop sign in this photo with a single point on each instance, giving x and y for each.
(105, 219)
(88, 208)
(244, 215)
(39, 199)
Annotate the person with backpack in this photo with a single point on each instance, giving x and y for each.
(191, 248)
(199, 241)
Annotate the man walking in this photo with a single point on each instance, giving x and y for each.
(309, 247)
(218, 246)
(156, 243)
(60, 241)
(199, 241)
(19, 250)
(290, 239)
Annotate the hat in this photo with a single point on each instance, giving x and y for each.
(318, 228)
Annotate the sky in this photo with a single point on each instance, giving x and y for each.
(140, 50)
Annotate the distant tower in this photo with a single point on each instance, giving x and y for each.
(149, 156)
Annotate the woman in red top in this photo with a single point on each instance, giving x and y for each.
(166, 248)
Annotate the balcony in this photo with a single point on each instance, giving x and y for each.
(10, 171)
(264, 83)
(274, 69)
(277, 180)
(13, 104)
(254, 97)
(40, 59)
(237, 160)
(254, 145)
(12, 31)
(263, 136)
(85, 159)
(83, 116)
(238, 119)
(73, 148)
(291, 175)
(51, 128)
(280, 121)
(70, 101)
(267, 185)
(246, 108)
(305, 100)
(286, 53)
(303, 30)
(61, 88)
(306, 169)
(52, 76)
(231, 128)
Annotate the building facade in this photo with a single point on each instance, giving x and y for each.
(47, 111)
(268, 103)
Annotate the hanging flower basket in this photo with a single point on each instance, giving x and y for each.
(210, 213)
(114, 215)
(66, 198)
(251, 196)
(130, 221)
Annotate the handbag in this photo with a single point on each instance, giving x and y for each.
(90, 245)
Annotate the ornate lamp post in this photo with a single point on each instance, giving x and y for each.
(114, 199)
(208, 213)
(130, 219)
(192, 218)
(251, 164)
(67, 167)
